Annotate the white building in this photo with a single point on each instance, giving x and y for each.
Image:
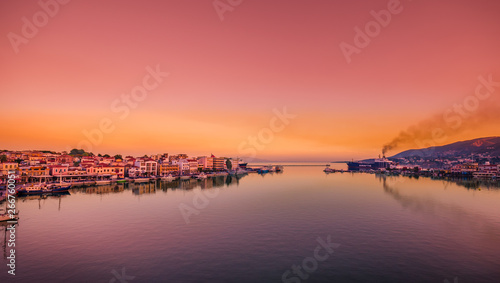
(147, 165)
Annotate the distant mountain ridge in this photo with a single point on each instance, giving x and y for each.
(486, 146)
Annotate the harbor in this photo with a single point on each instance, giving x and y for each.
(88, 232)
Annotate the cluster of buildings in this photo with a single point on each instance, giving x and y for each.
(34, 166)
(485, 170)
(443, 167)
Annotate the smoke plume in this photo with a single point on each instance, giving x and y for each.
(436, 130)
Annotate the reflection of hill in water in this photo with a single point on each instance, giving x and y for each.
(452, 215)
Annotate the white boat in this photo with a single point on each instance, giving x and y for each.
(7, 217)
(328, 169)
(167, 178)
(201, 176)
(34, 189)
(185, 177)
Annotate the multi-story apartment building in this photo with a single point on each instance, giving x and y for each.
(56, 170)
(8, 166)
(206, 163)
(33, 171)
(193, 165)
(219, 163)
(165, 169)
(183, 164)
(105, 170)
(147, 165)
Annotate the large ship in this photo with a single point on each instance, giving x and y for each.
(379, 163)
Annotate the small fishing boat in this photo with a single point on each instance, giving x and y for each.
(263, 170)
(328, 169)
(4, 217)
(34, 189)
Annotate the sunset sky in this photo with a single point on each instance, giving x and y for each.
(226, 75)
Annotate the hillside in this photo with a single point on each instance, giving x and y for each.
(485, 146)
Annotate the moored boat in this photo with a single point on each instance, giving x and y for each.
(34, 189)
(4, 217)
(167, 178)
(201, 176)
(60, 189)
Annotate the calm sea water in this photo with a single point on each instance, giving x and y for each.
(254, 229)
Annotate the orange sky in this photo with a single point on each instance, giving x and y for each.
(226, 77)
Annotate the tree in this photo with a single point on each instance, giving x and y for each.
(75, 151)
(106, 155)
(3, 158)
(118, 156)
(99, 155)
(229, 165)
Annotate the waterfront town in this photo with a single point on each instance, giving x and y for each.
(78, 166)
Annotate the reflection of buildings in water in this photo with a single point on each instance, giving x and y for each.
(468, 183)
(206, 184)
(107, 189)
(147, 188)
(190, 184)
(453, 216)
(474, 184)
(59, 196)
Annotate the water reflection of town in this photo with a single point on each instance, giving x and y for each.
(468, 183)
(153, 187)
(456, 215)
